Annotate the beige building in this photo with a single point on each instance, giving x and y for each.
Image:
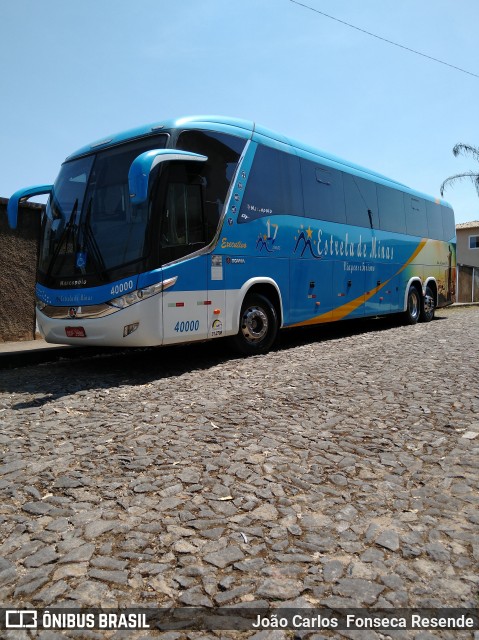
(468, 243)
(467, 253)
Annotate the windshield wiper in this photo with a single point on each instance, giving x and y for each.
(92, 244)
(64, 238)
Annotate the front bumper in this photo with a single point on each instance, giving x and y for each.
(105, 325)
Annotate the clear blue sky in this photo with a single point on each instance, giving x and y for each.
(75, 72)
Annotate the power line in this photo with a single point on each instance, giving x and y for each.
(401, 46)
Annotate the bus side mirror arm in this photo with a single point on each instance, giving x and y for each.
(143, 165)
(24, 194)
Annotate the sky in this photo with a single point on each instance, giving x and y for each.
(72, 73)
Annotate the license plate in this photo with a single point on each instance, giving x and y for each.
(75, 332)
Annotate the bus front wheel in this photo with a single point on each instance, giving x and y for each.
(413, 308)
(258, 326)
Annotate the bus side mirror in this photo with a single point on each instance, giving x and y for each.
(24, 194)
(143, 165)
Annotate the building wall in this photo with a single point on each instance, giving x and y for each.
(18, 261)
(464, 254)
(467, 284)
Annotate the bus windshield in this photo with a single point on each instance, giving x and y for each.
(90, 228)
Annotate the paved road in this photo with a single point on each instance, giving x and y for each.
(338, 470)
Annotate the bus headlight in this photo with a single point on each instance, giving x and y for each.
(136, 296)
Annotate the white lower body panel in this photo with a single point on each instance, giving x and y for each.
(108, 331)
(201, 315)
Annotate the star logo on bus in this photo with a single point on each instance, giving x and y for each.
(304, 243)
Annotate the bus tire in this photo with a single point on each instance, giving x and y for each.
(258, 326)
(428, 306)
(413, 306)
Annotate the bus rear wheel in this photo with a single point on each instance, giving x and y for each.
(413, 307)
(258, 326)
(428, 306)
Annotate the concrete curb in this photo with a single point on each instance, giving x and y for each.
(18, 354)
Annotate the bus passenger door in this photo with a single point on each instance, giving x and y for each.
(185, 300)
(185, 313)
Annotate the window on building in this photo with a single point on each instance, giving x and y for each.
(473, 242)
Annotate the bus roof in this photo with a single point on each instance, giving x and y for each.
(247, 129)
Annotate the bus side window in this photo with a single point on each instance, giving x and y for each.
(448, 225)
(223, 152)
(391, 210)
(434, 220)
(323, 192)
(416, 221)
(183, 217)
(181, 211)
(273, 187)
(361, 201)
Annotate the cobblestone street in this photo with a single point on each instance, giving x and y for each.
(340, 470)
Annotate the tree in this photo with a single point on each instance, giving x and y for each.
(467, 150)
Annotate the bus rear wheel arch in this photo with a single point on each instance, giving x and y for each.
(258, 325)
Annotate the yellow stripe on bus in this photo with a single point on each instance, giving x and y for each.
(344, 310)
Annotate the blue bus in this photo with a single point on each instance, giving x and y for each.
(204, 227)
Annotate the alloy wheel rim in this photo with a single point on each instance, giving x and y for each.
(428, 304)
(414, 305)
(254, 326)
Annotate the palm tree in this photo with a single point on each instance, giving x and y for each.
(464, 149)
